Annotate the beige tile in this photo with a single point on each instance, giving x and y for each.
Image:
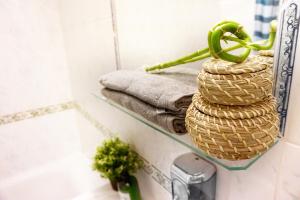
(75, 13)
(150, 190)
(157, 148)
(288, 184)
(244, 15)
(68, 178)
(34, 142)
(90, 136)
(90, 53)
(259, 181)
(223, 183)
(34, 72)
(151, 32)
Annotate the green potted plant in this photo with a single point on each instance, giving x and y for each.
(116, 161)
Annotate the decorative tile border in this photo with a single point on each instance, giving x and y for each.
(157, 175)
(37, 112)
(285, 57)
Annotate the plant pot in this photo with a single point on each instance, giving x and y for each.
(129, 189)
(114, 184)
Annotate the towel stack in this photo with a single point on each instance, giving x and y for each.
(233, 115)
(161, 98)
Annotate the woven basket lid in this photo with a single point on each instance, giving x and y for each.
(234, 112)
(252, 64)
(269, 53)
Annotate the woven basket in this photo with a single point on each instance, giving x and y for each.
(229, 83)
(232, 132)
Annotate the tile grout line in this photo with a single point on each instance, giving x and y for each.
(36, 112)
(115, 36)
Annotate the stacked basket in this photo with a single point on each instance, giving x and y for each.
(233, 115)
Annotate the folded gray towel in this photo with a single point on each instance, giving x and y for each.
(164, 118)
(171, 90)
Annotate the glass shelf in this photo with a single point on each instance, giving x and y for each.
(184, 139)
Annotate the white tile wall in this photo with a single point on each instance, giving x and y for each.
(34, 72)
(155, 31)
(90, 136)
(89, 45)
(90, 52)
(289, 176)
(67, 178)
(244, 15)
(259, 181)
(38, 141)
(150, 190)
(78, 12)
(88, 42)
(223, 184)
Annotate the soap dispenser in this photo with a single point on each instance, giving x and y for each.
(193, 178)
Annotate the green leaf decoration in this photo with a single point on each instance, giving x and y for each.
(115, 160)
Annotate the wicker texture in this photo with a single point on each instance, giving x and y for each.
(234, 112)
(268, 53)
(233, 116)
(228, 83)
(224, 135)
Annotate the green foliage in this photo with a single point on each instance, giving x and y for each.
(115, 160)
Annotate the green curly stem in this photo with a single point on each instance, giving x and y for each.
(215, 35)
(269, 43)
(190, 59)
(266, 44)
(179, 61)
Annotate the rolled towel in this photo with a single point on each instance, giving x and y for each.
(168, 120)
(171, 90)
